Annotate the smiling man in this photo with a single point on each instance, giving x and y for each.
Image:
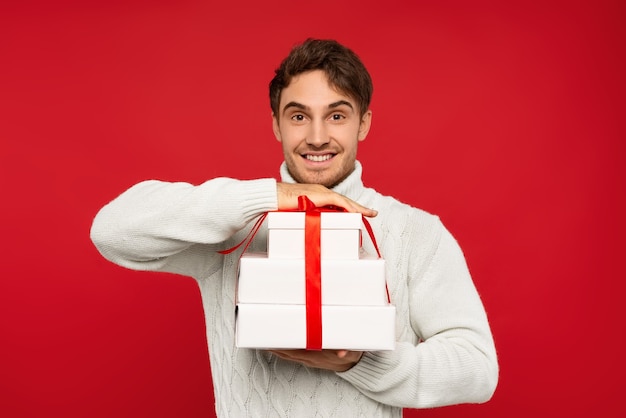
(444, 354)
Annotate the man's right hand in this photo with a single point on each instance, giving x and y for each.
(321, 196)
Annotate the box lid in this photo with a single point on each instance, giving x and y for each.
(329, 220)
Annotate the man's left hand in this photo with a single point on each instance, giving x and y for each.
(335, 360)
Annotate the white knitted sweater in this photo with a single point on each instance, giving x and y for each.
(444, 354)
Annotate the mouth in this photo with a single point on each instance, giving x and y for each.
(318, 158)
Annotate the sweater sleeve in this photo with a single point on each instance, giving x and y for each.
(177, 227)
(454, 360)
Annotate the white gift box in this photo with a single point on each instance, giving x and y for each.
(340, 235)
(283, 281)
(343, 327)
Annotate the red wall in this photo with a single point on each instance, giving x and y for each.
(506, 119)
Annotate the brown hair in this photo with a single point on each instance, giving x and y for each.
(342, 66)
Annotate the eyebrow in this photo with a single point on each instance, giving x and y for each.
(330, 106)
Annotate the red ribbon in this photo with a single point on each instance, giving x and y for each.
(249, 237)
(313, 272)
(312, 262)
(313, 267)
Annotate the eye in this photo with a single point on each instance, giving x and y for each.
(337, 116)
(297, 117)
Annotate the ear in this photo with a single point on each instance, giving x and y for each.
(364, 126)
(276, 128)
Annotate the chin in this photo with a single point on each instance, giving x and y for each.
(328, 182)
(308, 177)
(328, 177)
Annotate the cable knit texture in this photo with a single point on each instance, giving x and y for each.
(444, 354)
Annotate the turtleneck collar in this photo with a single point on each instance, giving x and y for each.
(351, 186)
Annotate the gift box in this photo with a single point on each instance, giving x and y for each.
(269, 326)
(282, 281)
(315, 288)
(340, 235)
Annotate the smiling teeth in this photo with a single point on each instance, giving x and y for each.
(318, 158)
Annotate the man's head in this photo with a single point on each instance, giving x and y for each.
(342, 66)
(320, 100)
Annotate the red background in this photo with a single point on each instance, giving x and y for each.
(506, 119)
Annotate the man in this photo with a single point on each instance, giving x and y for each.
(444, 354)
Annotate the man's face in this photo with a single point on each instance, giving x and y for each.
(319, 128)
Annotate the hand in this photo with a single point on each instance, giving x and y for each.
(335, 360)
(288, 198)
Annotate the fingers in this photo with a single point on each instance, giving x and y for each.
(321, 196)
(342, 353)
(352, 206)
(336, 360)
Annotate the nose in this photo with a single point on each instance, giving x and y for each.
(317, 134)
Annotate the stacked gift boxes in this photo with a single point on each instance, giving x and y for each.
(272, 288)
